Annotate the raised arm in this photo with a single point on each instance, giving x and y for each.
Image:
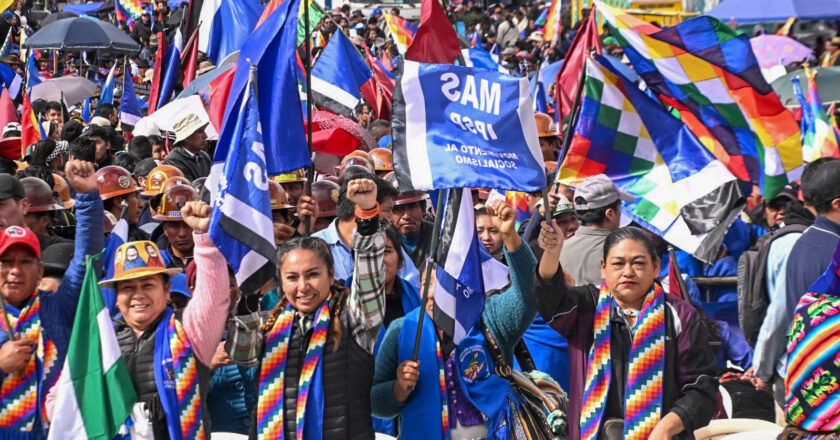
(561, 306)
(88, 241)
(366, 304)
(204, 317)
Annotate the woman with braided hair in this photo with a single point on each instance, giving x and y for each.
(640, 362)
(316, 363)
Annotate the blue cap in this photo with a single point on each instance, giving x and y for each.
(376, 11)
(178, 284)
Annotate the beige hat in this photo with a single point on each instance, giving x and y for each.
(204, 67)
(149, 75)
(188, 125)
(100, 121)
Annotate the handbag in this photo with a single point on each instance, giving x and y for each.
(543, 403)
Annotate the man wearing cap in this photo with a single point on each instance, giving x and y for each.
(598, 206)
(190, 142)
(408, 216)
(41, 321)
(813, 251)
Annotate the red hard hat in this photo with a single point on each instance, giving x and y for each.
(325, 194)
(410, 197)
(114, 181)
(173, 200)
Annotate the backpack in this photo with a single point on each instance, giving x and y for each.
(753, 298)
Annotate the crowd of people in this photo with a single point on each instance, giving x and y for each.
(329, 348)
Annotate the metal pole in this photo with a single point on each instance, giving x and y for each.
(567, 135)
(428, 277)
(307, 66)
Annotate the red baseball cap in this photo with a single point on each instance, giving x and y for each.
(18, 235)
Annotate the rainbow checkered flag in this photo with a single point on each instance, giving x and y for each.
(708, 73)
(682, 193)
(95, 393)
(818, 136)
(402, 30)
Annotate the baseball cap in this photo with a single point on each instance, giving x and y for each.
(57, 259)
(10, 186)
(563, 206)
(824, 184)
(598, 191)
(14, 235)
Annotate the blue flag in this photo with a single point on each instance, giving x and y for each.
(272, 48)
(480, 58)
(33, 78)
(130, 109)
(86, 111)
(11, 80)
(241, 225)
(338, 75)
(107, 94)
(459, 286)
(456, 127)
(232, 23)
(171, 67)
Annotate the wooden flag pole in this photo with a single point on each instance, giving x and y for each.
(307, 66)
(430, 261)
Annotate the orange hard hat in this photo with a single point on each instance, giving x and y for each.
(325, 194)
(156, 177)
(173, 200)
(545, 125)
(114, 181)
(63, 190)
(40, 195)
(174, 181)
(279, 199)
(359, 153)
(383, 159)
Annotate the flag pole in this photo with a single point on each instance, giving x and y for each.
(567, 135)
(430, 260)
(307, 66)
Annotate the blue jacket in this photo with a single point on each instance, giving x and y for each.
(231, 398)
(58, 309)
(809, 258)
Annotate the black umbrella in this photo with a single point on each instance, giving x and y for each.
(82, 33)
(57, 16)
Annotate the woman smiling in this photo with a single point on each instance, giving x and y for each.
(640, 360)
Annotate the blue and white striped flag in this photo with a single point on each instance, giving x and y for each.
(117, 237)
(240, 224)
(459, 286)
(107, 94)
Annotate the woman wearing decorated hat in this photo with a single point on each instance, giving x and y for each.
(640, 362)
(453, 391)
(316, 366)
(159, 344)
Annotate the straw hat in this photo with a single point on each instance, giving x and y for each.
(188, 125)
(204, 67)
(100, 121)
(137, 259)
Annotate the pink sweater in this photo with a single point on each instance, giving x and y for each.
(205, 315)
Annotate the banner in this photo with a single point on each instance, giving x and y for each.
(457, 127)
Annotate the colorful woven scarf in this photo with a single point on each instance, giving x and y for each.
(643, 396)
(444, 406)
(21, 391)
(812, 382)
(177, 381)
(273, 370)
